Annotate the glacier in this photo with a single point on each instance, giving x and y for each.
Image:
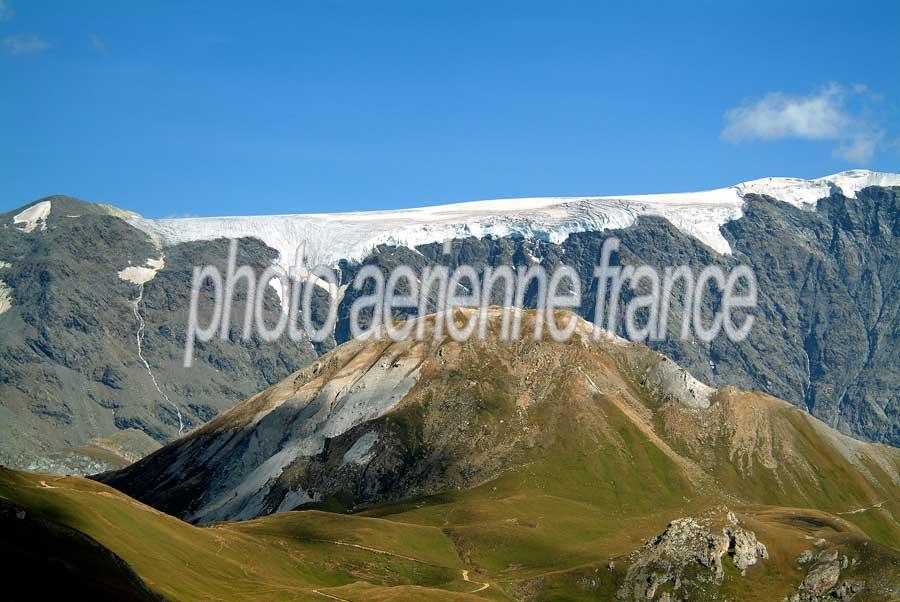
(351, 236)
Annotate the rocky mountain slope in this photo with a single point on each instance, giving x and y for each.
(380, 421)
(580, 470)
(827, 321)
(78, 391)
(76, 395)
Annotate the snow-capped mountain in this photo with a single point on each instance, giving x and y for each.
(94, 300)
(331, 237)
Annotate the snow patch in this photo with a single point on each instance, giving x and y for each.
(143, 274)
(34, 216)
(6, 297)
(6, 292)
(806, 193)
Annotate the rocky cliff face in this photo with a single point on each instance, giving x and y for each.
(76, 396)
(825, 336)
(75, 392)
(681, 561)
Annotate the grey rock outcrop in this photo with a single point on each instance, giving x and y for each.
(688, 554)
(823, 578)
(746, 549)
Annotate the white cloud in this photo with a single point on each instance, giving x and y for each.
(6, 11)
(833, 113)
(860, 148)
(24, 43)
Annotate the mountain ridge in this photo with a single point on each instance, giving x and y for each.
(699, 214)
(445, 415)
(77, 397)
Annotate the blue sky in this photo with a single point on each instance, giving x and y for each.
(195, 108)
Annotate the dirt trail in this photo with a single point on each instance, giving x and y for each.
(859, 510)
(484, 586)
(315, 591)
(373, 550)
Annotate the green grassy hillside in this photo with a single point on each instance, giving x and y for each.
(510, 535)
(533, 470)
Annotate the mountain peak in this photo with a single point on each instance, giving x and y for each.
(376, 421)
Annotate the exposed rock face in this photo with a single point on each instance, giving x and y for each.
(234, 468)
(72, 384)
(746, 550)
(687, 555)
(806, 556)
(847, 590)
(825, 336)
(822, 577)
(673, 558)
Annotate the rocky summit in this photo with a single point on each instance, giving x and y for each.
(379, 421)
